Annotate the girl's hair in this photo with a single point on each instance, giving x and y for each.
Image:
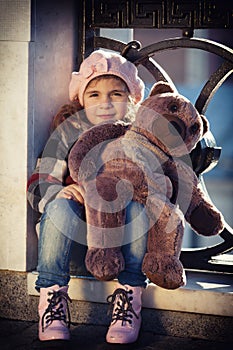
(64, 112)
(107, 76)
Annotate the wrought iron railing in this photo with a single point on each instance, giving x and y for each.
(187, 16)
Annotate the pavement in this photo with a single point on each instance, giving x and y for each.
(23, 335)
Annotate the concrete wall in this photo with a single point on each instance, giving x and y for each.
(36, 60)
(53, 30)
(54, 34)
(15, 27)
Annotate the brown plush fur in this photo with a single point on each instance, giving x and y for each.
(147, 156)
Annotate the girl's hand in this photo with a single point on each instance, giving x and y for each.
(74, 192)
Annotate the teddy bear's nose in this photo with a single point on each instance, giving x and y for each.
(194, 128)
(177, 127)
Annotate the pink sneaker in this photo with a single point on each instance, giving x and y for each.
(126, 317)
(53, 310)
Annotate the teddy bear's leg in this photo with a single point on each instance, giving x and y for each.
(161, 263)
(105, 230)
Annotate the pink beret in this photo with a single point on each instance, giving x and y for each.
(102, 63)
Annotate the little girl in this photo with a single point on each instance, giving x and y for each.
(108, 88)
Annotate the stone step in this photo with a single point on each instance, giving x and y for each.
(203, 309)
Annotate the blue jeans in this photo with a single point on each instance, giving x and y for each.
(63, 223)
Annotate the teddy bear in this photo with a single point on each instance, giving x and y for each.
(147, 162)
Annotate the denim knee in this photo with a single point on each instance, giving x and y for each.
(67, 217)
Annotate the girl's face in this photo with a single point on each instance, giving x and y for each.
(105, 99)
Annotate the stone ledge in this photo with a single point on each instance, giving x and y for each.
(205, 293)
(17, 304)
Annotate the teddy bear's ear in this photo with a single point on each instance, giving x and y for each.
(160, 88)
(205, 124)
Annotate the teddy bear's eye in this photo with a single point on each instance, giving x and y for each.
(173, 108)
(194, 128)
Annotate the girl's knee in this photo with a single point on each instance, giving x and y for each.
(63, 206)
(63, 210)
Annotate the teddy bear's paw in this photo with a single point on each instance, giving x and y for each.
(164, 271)
(206, 220)
(104, 264)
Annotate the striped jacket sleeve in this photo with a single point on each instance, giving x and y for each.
(51, 171)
